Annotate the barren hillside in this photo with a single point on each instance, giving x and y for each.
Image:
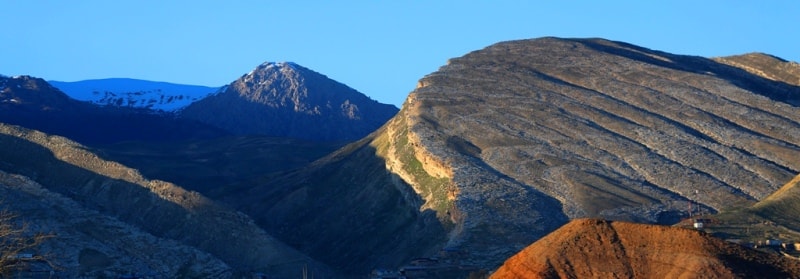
(588, 248)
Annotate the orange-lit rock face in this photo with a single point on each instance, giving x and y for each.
(589, 248)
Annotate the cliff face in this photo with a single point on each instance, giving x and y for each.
(587, 248)
(507, 143)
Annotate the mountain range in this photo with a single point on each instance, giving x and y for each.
(134, 93)
(34, 103)
(494, 151)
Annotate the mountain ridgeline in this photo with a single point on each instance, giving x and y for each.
(287, 100)
(505, 144)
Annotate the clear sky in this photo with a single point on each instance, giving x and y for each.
(380, 48)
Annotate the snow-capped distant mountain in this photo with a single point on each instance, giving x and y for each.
(125, 92)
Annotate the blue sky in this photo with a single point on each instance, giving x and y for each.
(380, 48)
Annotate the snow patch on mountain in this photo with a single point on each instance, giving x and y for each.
(124, 92)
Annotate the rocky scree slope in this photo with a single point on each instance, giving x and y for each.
(507, 143)
(287, 100)
(155, 207)
(589, 248)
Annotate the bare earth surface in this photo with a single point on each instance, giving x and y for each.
(590, 248)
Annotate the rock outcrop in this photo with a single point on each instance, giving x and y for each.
(590, 248)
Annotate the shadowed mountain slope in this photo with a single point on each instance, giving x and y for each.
(346, 210)
(211, 166)
(588, 248)
(89, 244)
(287, 100)
(507, 143)
(155, 207)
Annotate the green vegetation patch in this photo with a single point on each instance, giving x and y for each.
(434, 190)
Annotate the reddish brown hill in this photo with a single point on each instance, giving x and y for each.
(590, 248)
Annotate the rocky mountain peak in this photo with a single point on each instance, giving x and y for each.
(278, 85)
(285, 99)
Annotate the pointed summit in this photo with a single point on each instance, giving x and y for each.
(284, 99)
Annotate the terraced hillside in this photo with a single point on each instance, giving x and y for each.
(507, 143)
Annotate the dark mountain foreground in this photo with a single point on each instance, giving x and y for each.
(591, 248)
(288, 100)
(506, 144)
(215, 167)
(88, 243)
(104, 205)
